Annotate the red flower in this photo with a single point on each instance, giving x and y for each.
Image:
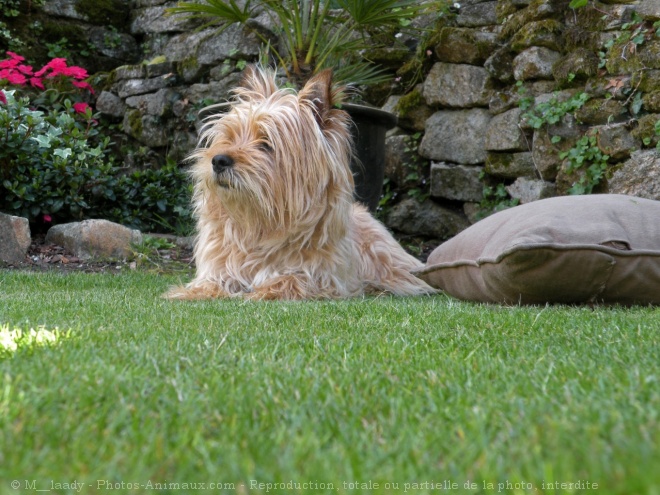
(83, 85)
(3, 98)
(35, 82)
(75, 72)
(16, 78)
(80, 107)
(15, 56)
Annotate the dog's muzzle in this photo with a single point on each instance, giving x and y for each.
(221, 163)
(222, 167)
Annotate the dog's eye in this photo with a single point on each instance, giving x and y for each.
(265, 147)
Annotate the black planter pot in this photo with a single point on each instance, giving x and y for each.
(368, 130)
(370, 126)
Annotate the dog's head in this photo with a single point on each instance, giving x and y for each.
(278, 157)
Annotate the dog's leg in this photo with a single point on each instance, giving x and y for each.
(284, 287)
(197, 290)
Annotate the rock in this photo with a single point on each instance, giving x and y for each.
(208, 47)
(465, 46)
(399, 153)
(478, 14)
(500, 65)
(158, 104)
(511, 165)
(456, 136)
(148, 129)
(527, 190)
(457, 85)
(505, 134)
(119, 46)
(580, 64)
(125, 72)
(598, 111)
(649, 9)
(615, 141)
(638, 176)
(652, 101)
(411, 110)
(110, 104)
(545, 153)
(534, 63)
(427, 218)
(63, 8)
(155, 20)
(215, 91)
(15, 238)
(94, 239)
(457, 182)
(132, 87)
(545, 33)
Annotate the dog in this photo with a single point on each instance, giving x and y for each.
(273, 200)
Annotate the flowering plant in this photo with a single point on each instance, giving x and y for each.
(55, 75)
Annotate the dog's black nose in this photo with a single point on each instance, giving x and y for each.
(221, 162)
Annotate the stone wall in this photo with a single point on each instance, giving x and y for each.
(498, 62)
(464, 129)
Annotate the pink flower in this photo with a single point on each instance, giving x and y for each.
(16, 78)
(36, 82)
(56, 66)
(83, 85)
(75, 72)
(15, 56)
(3, 98)
(80, 107)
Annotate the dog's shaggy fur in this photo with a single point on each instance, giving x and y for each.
(274, 203)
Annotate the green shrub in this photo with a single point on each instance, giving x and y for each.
(56, 164)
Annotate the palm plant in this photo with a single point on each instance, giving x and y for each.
(316, 34)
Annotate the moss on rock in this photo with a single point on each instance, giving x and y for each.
(104, 12)
(579, 65)
(544, 33)
(598, 111)
(645, 130)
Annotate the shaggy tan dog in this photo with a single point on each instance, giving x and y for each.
(274, 203)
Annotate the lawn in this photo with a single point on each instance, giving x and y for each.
(121, 391)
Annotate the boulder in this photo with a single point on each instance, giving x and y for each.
(465, 46)
(457, 182)
(398, 154)
(527, 190)
(511, 165)
(154, 19)
(534, 63)
(638, 176)
(427, 218)
(456, 136)
(94, 238)
(615, 141)
(457, 85)
(478, 14)
(504, 133)
(15, 238)
(110, 104)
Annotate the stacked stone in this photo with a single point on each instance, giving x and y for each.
(496, 54)
(158, 99)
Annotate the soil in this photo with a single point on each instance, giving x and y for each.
(42, 256)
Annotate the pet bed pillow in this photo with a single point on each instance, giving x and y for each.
(569, 249)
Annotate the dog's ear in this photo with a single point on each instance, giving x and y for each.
(319, 93)
(257, 83)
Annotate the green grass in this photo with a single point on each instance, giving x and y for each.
(410, 392)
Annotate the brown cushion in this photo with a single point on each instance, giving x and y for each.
(569, 249)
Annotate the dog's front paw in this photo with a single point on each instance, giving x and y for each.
(207, 290)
